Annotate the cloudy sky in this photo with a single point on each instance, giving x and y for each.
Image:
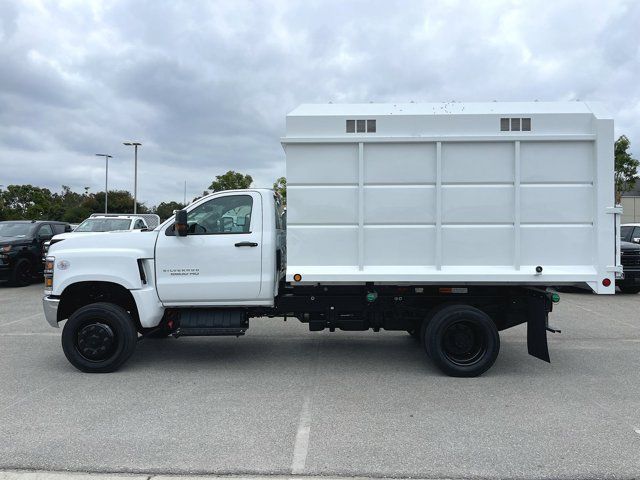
(205, 86)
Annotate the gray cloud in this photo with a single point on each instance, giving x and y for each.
(205, 86)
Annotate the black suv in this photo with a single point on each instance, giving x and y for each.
(630, 259)
(21, 244)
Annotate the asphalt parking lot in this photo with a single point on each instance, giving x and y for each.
(284, 400)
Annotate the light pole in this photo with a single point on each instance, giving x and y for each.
(106, 178)
(135, 173)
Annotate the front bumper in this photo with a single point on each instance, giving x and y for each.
(631, 278)
(50, 305)
(6, 263)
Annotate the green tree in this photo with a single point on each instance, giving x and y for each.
(231, 181)
(204, 194)
(71, 206)
(165, 209)
(3, 210)
(120, 201)
(26, 202)
(626, 167)
(280, 186)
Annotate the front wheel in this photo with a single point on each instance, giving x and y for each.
(22, 273)
(99, 338)
(462, 341)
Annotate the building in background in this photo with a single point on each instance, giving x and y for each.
(631, 205)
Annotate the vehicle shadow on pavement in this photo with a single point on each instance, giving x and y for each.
(390, 353)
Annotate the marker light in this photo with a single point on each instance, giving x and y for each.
(297, 277)
(606, 282)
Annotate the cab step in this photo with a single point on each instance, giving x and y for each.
(208, 332)
(198, 322)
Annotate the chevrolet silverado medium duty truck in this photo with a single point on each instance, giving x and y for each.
(447, 221)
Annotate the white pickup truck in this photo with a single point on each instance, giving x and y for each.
(448, 221)
(106, 222)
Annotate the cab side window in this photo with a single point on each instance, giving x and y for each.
(229, 214)
(60, 228)
(45, 230)
(279, 214)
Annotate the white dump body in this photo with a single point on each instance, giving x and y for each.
(452, 194)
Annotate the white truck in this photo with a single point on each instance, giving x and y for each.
(448, 221)
(106, 222)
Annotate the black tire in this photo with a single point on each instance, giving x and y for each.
(462, 341)
(631, 290)
(99, 338)
(22, 273)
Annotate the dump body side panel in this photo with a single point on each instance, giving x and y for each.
(438, 197)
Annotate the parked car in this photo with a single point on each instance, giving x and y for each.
(630, 258)
(21, 244)
(630, 232)
(106, 222)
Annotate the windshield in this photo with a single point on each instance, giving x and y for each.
(103, 225)
(14, 229)
(625, 232)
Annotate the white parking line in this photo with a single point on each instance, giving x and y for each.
(22, 319)
(301, 446)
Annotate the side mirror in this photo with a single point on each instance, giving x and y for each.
(44, 237)
(180, 224)
(636, 240)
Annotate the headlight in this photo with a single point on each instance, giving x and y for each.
(48, 274)
(5, 248)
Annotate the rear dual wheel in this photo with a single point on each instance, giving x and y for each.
(461, 340)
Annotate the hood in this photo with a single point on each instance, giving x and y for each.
(629, 246)
(141, 244)
(15, 240)
(64, 236)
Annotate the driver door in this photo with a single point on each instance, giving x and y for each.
(219, 262)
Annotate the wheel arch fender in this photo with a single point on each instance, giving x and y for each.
(79, 294)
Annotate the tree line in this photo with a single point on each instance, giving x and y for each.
(29, 202)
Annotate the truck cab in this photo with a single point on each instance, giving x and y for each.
(230, 255)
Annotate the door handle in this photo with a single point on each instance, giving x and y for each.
(246, 244)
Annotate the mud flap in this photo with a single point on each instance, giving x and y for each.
(537, 332)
